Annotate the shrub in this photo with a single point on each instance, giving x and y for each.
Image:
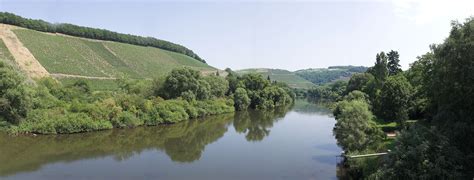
(127, 119)
(57, 121)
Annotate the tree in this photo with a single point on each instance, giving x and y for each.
(422, 153)
(219, 86)
(419, 77)
(395, 98)
(380, 70)
(181, 80)
(233, 80)
(241, 99)
(354, 129)
(254, 82)
(451, 90)
(393, 63)
(15, 100)
(360, 81)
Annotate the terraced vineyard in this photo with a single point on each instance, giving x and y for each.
(281, 75)
(102, 60)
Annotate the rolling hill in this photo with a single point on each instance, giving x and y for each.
(320, 76)
(99, 62)
(307, 78)
(280, 75)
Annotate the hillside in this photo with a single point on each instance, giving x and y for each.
(280, 75)
(68, 58)
(325, 75)
(94, 33)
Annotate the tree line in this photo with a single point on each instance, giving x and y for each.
(437, 91)
(95, 33)
(48, 107)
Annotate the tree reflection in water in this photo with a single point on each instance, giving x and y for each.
(182, 142)
(256, 124)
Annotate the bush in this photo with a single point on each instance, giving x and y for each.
(422, 153)
(127, 119)
(57, 122)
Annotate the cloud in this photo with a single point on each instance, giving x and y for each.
(427, 11)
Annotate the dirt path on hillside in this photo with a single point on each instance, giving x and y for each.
(23, 57)
(59, 75)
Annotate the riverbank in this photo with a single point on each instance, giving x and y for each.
(45, 106)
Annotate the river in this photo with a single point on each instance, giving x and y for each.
(289, 143)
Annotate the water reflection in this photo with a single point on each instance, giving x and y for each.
(182, 142)
(256, 124)
(306, 107)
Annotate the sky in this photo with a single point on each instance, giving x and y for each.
(268, 33)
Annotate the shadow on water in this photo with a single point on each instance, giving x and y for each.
(182, 142)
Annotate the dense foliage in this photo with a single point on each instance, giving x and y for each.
(50, 108)
(422, 153)
(15, 99)
(331, 92)
(256, 92)
(394, 99)
(94, 33)
(354, 129)
(437, 90)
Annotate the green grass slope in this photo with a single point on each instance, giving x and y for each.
(281, 75)
(61, 54)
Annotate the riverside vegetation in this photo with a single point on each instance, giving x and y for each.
(48, 107)
(436, 93)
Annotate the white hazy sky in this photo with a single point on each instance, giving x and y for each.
(275, 34)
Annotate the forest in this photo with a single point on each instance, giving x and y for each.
(430, 105)
(94, 33)
(48, 107)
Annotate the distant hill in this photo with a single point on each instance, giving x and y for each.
(307, 78)
(280, 75)
(69, 58)
(325, 75)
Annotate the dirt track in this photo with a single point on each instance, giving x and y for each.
(58, 75)
(23, 57)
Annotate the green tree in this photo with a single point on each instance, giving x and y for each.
(15, 99)
(364, 82)
(395, 98)
(451, 90)
(422, 153)
(181, 80)
(219, 86)
(254, 82)
(393, 63)
(380, 69)
(241, 99)
(419, 77)
(354, 129)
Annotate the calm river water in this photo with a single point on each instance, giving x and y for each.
(294, 143)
